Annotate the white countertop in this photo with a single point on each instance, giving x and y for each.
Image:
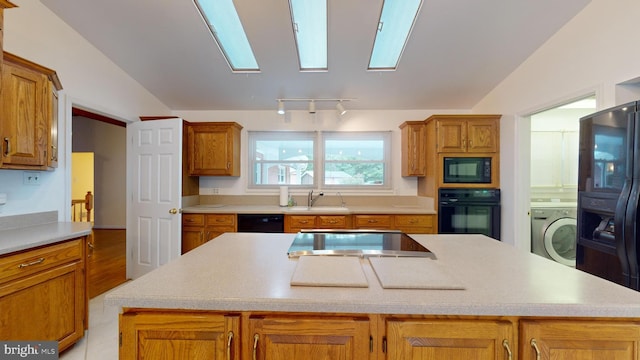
(252, 272)
(32, 236)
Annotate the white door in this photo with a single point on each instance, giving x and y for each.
(154, 189)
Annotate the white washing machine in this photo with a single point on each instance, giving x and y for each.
(553, 233)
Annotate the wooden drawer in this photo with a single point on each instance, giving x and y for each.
(414, 220)
(302, 221)
(372, 221)
(332, 221)
(221, 219)
(32, 261)
(193, 219)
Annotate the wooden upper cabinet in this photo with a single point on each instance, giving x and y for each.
(450, 339)
(467, 133)
(213, 149)
(28, 118)
(413, 148)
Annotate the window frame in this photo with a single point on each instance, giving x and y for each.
(319, 161)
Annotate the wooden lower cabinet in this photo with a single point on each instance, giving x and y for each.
(307, 338)
(178, 336)
(295, 223)
(410, 223)
(165, 334)
(579, 339)
(450, 339)
(197, 229)
(43, 293)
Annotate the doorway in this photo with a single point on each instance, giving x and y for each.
(554, 136)
(105, 139)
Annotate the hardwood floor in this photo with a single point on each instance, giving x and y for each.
(107, 263)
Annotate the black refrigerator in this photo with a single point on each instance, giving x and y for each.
(608, 189)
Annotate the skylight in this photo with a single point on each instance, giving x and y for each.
(225, 26)
(396, 21)
(309, 19)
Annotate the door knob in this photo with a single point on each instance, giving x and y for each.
(173, 211)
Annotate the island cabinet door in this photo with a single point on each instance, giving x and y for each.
(575, 339)
(285, 338)
(179, 336)
(450, 339)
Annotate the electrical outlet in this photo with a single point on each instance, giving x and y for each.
(31, 178)
(215, 191)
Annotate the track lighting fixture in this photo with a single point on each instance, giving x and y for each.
(280, 107)
(312, 104)
(340, 108)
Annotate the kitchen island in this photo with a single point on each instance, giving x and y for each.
(233, 297)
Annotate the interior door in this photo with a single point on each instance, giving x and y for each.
(154, 168)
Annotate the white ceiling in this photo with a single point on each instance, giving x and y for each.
(458, 51)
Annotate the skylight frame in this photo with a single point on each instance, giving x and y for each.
(311, 48)
(230, 36)
(389, 15)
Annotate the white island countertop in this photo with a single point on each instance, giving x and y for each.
(252, 272)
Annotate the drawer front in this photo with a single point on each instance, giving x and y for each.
(414, 220)
(32, 261)
(192, 219)
(221, 219)
(332, 221)
(373, 221)
(301, 221)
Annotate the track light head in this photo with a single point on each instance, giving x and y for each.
(280, 107)
(312, 107)
(340, 108)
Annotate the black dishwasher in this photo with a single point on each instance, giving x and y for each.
(267, 223)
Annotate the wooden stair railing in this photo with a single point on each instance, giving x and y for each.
(77, 210)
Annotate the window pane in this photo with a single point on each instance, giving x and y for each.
(284, 150)
(353, 159)
(354, 173)
(282, 158)
(354, 149)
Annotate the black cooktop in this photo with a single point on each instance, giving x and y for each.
(357, 243)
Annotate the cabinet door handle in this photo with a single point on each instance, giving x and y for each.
(534, 345)
(229, 340)
(256, 337)
(505, 345)
(35, 262)
(7, 148)
(228, 165)
(372, 221)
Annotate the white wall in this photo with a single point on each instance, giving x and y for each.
(326, 120)
(90, 81)
(593, 53)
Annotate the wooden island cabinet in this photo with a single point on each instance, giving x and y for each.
(310, 336)
(241, 302)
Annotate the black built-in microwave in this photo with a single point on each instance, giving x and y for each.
(466, 170)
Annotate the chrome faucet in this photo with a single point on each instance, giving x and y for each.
(311, 200)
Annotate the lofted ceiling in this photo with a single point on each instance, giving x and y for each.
(457, 52)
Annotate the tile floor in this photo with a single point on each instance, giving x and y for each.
(100, 342)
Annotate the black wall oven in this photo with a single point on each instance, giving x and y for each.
(469, 211)
(466, 170)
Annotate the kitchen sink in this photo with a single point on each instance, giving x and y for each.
(327, 209)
